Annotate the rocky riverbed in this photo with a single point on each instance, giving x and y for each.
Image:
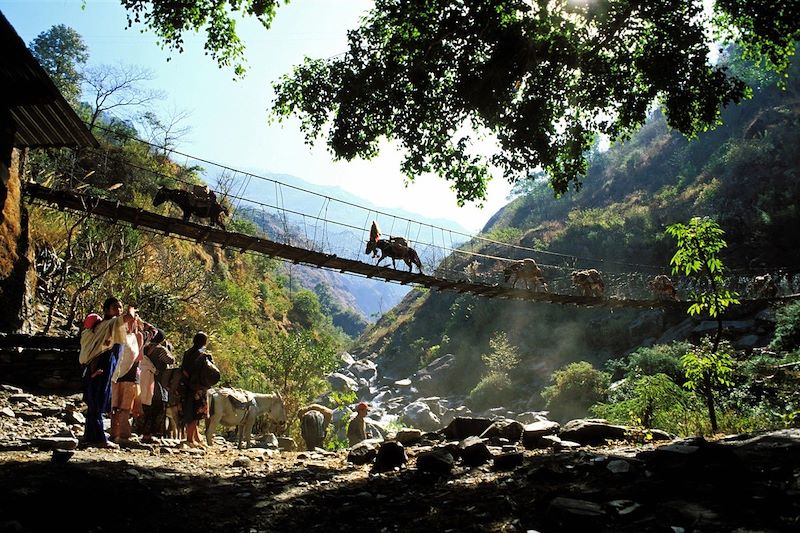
(507, 480)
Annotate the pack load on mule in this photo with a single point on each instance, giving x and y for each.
(200, 202)
(525, 270)
(763, 286)
(588, 282)
(394, 248)
(663, 288)
(237, 407)
(314, 422)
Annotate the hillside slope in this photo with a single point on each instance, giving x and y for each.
(743, 174)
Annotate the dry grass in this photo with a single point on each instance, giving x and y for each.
(10, 222)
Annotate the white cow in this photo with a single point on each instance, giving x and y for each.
(236, 407)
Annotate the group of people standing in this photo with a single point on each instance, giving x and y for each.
(122, 356)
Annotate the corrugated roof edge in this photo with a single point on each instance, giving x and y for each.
(50, 123)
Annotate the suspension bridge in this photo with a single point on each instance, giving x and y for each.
(473, 265)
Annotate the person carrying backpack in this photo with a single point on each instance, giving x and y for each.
(200, 374)
(152, 395)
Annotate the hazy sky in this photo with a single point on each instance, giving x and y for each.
(229, 119)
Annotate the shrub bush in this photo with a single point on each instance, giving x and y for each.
(574, 389)
(787, 328)
(652, 402)
(659, 359)
(493, 390)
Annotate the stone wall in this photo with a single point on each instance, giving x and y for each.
(40, 363)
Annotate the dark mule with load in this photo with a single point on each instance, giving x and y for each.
(393, 248)
(201, 206)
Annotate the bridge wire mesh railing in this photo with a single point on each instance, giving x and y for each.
(445, 253)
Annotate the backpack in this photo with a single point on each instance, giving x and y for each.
(205, 374)
(160, 356)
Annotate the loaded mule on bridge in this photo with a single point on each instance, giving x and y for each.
(588, 282)
(527, 271)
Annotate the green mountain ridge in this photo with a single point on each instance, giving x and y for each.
(743, 174)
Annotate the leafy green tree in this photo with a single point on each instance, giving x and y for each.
(574, 389)
(306, 310)
(542, 78)
(296, 365)
(707, 369)
(698, 244)
(502, 356)
(351, 322)
(652, 360)
(493, 390)
(61, 50)
(340, 400)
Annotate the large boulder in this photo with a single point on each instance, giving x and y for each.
(391, 455)
(592, 432)
(451, 414)
(678, 332)
(420, 416)
(708, 327)
(347, 359)
(646, 324)
(434, 378)
(341, 383)
(474, 452)
(435, 404)
(511, 430)
(363, 452)
(532, 433)
(364, 368)
(462, 427)
(408, 436)
(529, 417)
(436, 461)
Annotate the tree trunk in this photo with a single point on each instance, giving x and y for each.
(709, 394)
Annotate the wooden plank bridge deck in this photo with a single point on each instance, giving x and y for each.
(116, 211)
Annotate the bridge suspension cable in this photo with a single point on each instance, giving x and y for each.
(138, 217)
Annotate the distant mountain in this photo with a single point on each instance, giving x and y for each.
(313, 202)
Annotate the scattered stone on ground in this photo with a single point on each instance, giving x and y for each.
(738, 483)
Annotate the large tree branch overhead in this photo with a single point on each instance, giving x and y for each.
(542, 77)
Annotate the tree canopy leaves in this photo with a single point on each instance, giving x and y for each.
(60, 50)
(170, 19)
(541, 79)
(698, 245)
